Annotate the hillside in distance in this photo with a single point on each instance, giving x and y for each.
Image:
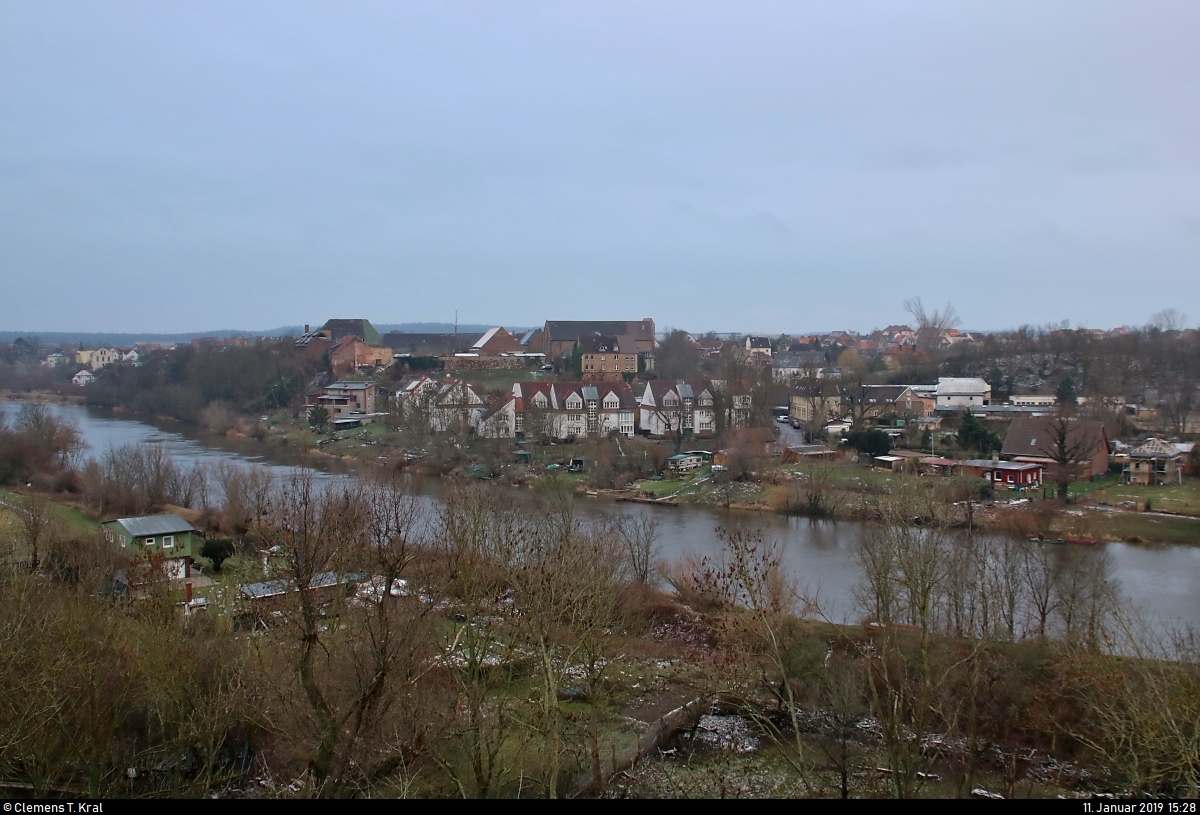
(96, 339)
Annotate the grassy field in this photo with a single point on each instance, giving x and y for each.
(503, 380)
(13, 547)
(1181, 498)
(75, 521)
(1139, 527)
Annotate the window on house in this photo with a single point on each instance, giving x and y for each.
(168, 541)
(149, 541)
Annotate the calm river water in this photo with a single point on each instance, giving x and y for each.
(1164, 581)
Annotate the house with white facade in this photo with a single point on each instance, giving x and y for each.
(84, 377)
(574, 409)
(445, 404)
(669, 407)
(500, 420)
(959, 393)
(557, 410)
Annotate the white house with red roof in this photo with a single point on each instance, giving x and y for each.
(565, 409)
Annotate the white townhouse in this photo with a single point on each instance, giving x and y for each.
(956, 393)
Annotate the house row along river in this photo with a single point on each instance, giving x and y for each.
(1162, 580)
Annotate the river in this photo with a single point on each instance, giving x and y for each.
(1162, 580)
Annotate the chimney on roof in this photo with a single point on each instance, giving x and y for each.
(306, 328)
(995, 457)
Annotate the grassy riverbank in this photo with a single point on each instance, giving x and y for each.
(1101, 509)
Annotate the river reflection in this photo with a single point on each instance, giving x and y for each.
(1163, 581)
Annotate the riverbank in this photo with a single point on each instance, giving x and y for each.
(821, 550)
(846, 492)
(1103, 510)
(46, 397)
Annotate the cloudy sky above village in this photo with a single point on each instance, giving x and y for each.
(768, 166)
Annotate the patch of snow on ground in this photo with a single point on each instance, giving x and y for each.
(727, 733)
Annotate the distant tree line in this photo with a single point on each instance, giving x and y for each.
(185, 382)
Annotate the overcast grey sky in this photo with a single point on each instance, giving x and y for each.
(715, 165)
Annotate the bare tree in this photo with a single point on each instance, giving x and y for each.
(35, 517)
(357, 657)
(1169, 319)
(1004, 589)
(58, 440)
(638, 535)
(815, 394)
(816, 487)
(1070, 444)
(675, 419)
(841, 692)
(1178, 379)
(537, 419)
(677, 357)
(930, 324)
(1086, 597)
(1039, 574)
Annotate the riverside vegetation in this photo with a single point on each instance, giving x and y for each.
(488, 648)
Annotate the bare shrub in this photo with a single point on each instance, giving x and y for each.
(218, 418)
(694, 589)
(639, 538)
